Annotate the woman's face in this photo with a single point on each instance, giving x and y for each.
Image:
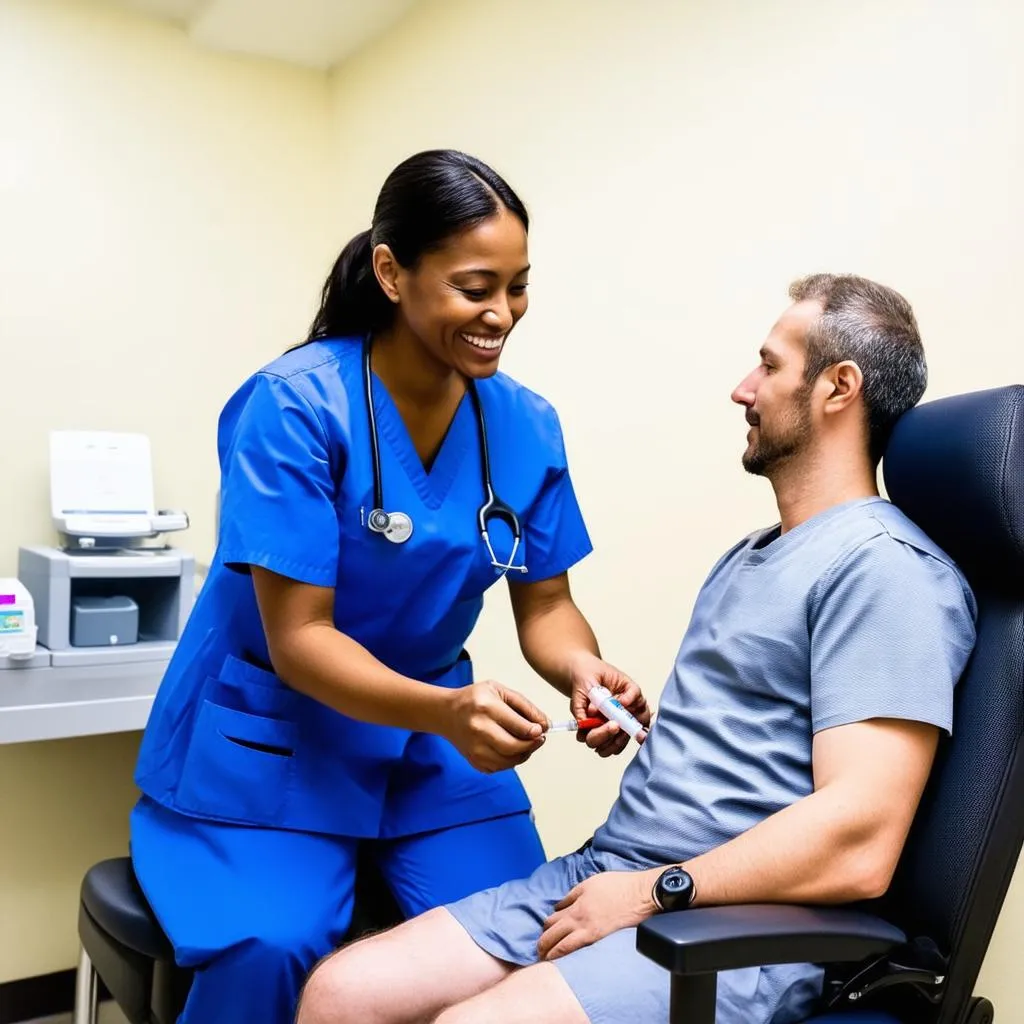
(461, 301)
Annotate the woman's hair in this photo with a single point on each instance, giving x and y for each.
(425, 200)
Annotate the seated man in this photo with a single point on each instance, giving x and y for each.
(795, 734)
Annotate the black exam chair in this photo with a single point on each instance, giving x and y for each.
(956, 467)
(124, 948)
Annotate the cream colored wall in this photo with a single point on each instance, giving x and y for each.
(168, 212)
(164, 223)
(682, 163)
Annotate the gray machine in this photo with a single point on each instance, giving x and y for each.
(108, 593)
(100, 607)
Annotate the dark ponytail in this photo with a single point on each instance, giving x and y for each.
(352, 302)
(424, 201)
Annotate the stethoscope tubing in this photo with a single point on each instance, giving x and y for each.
(492, 508)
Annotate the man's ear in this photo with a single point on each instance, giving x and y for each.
(845, 382)
(385, 269)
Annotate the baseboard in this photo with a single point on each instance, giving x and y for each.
(42, 996)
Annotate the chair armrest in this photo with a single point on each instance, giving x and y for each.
(710, 939)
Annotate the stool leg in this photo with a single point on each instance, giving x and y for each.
(86, 992)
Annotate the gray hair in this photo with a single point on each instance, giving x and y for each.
(874, 327)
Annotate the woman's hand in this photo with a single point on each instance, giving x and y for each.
(493, 727)
(586, 670)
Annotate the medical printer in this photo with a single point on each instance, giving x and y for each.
(108, 592)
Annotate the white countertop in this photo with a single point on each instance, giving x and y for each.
(83, 700)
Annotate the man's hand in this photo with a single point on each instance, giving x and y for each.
(598, 906)
(608, 739)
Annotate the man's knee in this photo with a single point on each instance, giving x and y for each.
(323, 995)
(461, 1013)
(346, 986)
(409, 973)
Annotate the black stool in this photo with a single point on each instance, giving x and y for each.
(124, 947)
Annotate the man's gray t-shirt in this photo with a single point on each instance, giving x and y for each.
(852, 615)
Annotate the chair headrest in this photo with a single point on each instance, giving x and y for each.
(955, 466)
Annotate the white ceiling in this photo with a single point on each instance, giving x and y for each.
(312, 33)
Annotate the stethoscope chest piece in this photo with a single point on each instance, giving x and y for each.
(396, 526)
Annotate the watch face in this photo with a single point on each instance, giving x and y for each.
(675, 889)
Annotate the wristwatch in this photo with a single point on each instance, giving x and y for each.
(674, 889)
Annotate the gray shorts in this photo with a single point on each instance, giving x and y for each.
(612, 981)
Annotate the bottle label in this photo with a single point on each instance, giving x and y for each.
(12, 621)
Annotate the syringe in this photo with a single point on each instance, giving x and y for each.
(611, 708)
(573, 726)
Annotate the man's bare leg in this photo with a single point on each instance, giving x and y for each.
(404, 976)
(531, 995)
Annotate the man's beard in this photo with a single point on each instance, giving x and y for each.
(773, 448)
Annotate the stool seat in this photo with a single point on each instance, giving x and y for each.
(111, 895)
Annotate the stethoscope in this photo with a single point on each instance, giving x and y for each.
(397, 526)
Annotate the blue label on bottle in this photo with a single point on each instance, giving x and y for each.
(12, 622)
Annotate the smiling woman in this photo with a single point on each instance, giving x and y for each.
(469, 291)
(438, 282)
(321, 693)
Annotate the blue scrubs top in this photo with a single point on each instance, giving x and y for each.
(227, 740)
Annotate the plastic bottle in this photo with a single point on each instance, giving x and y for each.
(17, 620)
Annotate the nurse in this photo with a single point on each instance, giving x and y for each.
(376, 480)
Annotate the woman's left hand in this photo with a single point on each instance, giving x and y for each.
(606, 739)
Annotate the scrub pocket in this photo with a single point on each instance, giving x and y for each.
(243, 686)
(238, 767)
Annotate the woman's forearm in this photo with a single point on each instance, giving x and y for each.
(312, 656)
(552, 638)
(336, 670)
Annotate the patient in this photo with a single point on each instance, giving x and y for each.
(795, 732)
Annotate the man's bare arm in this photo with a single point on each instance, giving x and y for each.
(842, 842)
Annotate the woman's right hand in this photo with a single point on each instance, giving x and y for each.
(493, 727)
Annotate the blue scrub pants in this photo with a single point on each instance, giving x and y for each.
(253, 909)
